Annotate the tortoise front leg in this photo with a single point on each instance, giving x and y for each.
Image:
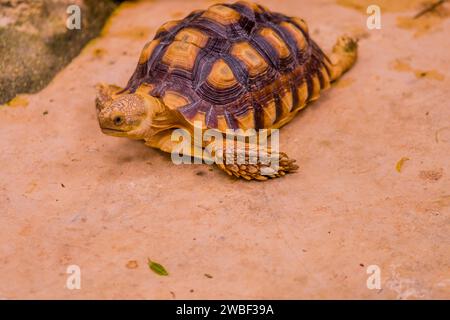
(244, 161)
(252, 162)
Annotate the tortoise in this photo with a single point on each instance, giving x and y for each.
(232, 66)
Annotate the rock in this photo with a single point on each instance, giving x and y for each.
(35, 42)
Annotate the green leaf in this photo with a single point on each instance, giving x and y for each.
(157, 268)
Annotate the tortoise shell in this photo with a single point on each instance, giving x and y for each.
(233, 66)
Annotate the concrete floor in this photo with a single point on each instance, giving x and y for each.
(70, 195)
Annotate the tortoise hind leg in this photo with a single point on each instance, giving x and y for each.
(343, 56)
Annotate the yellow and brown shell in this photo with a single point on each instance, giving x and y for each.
(233, 66)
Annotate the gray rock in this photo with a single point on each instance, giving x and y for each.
(35, 42)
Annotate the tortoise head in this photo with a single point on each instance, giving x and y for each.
(124, 114)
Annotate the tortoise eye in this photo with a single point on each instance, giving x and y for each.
(118, 120)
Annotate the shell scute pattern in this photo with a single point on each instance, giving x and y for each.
(221, 14)
(233, 66)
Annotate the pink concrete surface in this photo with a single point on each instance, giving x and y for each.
(70, 195)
